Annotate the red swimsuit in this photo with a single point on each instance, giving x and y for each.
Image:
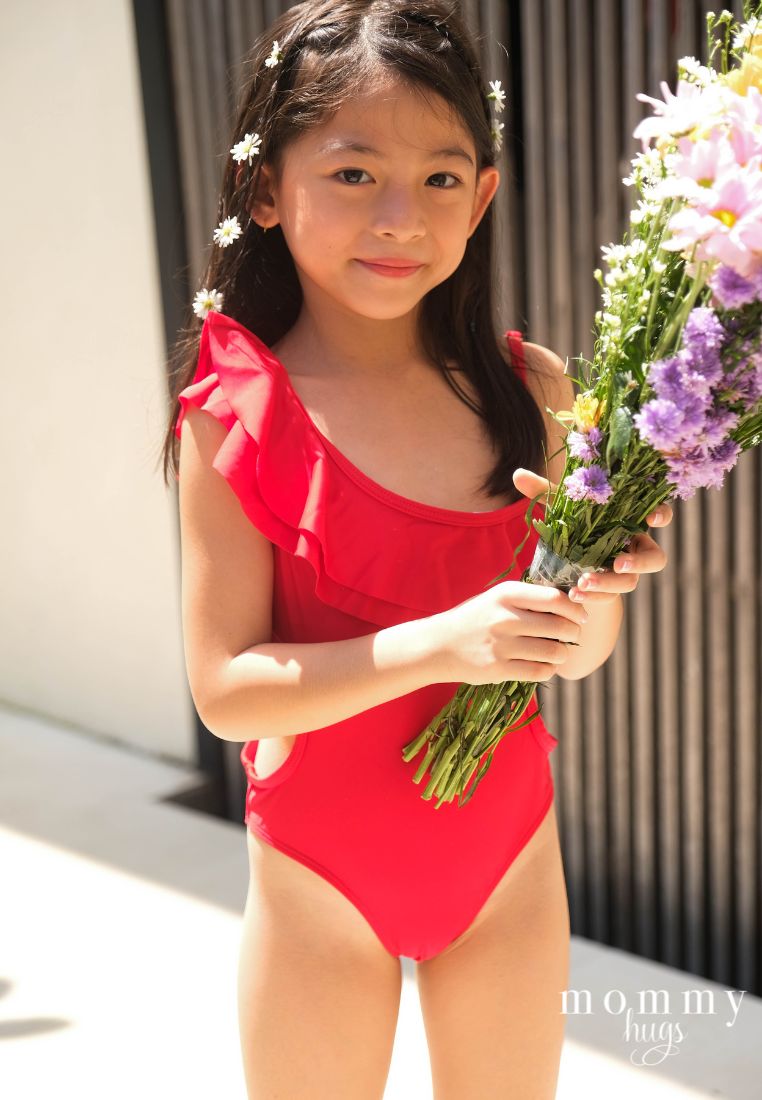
(352, 557)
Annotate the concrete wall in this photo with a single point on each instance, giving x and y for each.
(89, 561)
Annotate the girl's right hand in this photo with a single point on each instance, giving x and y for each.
(512, 631)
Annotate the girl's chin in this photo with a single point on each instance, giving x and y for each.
(362, 295)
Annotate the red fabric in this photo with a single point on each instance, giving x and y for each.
(350, 558)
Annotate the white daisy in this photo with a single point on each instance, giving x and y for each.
(246, 149)
(275, 55)
(227, 231)
(206, 300)
(695, 71)
(746, 32)
(497, 135)
(497, 94)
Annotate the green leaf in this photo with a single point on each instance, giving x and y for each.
(544, 530)
(620, 431)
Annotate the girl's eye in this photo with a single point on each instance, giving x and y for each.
(452, 177)
(362, 172)
(351, 171)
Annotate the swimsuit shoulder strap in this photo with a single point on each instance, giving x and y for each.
(514, 341)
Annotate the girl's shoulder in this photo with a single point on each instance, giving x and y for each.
(544, 372)
(551, 387)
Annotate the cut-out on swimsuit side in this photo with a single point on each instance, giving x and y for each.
(351, 557)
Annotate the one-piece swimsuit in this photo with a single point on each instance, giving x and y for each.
(350, 558)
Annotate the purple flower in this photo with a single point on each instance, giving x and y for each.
(744, 382)
(717, 426)
(725, 457)
(695, 413)
(687, 471)
(700, 369)
(692, 371)
(703, 331)
(659, 423)
(700, 468)
(588, 483)
(665, 377)
(732, 290)
(582, 446)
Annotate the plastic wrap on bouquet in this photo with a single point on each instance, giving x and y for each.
(550, 568)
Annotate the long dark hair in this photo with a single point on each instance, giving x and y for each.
(331, 50)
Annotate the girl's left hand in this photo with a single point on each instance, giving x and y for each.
(644, 555)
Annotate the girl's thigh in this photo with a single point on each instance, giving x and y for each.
(491, 1001)
(318, 994)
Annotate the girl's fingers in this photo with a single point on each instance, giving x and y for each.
(605, 584)
(644, 556)
(661, 516)
(531, 484)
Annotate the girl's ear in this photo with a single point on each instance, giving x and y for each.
(261, 205)
(486, 185)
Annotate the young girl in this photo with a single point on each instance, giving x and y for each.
(354, 469)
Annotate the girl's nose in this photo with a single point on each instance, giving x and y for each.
(399, 212)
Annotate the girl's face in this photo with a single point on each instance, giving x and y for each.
(412, 193)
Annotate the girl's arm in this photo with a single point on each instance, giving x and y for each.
(245, 686)
(280, 688)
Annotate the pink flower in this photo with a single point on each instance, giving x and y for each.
(675, 114)
(697, 167)
(745, 125)
(725, 224)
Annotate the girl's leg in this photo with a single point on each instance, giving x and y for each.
(491, 1000)
(318, 994)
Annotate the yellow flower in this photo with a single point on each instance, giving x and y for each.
(750, 72)
(586, 411)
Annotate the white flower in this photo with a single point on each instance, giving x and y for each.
(227, 231)
(497, 94)
(497, 135)
(746, 32)
(696, 72)
(245, 150)
(206, 300)
(275, 55)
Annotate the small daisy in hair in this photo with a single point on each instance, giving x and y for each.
(206, 300)
(246, 149)
(497, 94)
(497, 135)
(227, 231)
(275, 55)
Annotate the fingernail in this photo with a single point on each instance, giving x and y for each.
(625, 565)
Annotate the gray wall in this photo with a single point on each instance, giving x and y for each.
(88, 558)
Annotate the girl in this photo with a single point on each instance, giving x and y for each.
(350, 480)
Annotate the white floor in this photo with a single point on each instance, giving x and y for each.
(119, 926)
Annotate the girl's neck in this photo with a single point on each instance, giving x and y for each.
(347, 345)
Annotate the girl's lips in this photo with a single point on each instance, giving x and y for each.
(393, 272)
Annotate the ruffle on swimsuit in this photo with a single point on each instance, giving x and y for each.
(309, 500)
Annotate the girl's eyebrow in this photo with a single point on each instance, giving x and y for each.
(340, 145)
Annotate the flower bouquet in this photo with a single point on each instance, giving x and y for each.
(673, 394)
